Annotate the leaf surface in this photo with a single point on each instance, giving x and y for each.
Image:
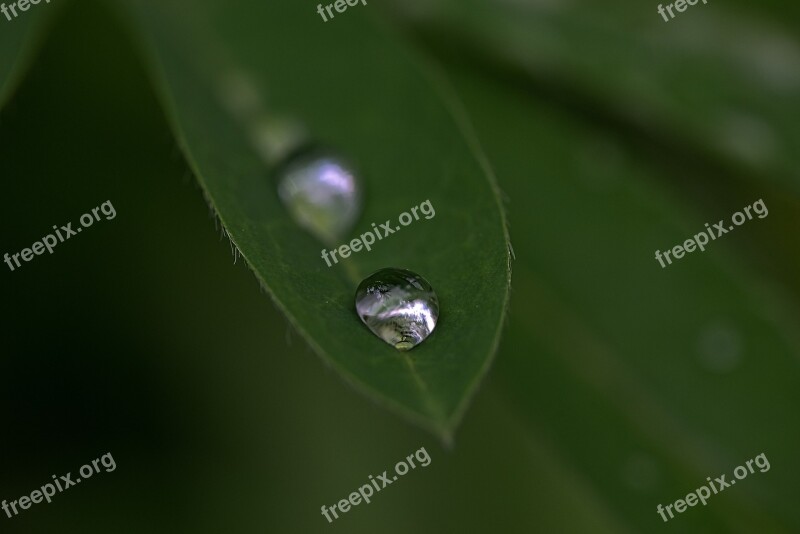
(19, 40)
(719, 81)
(647, 379)
(402, 132)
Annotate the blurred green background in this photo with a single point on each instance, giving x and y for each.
(618, 385)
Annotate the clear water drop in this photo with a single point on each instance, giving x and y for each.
(322, 194)
(399, 306)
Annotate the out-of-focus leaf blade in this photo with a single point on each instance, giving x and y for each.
(649, 379)
(18, 42)
(716, 80)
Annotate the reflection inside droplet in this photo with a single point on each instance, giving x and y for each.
(398, 306)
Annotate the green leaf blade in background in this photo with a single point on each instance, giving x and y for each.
(632, 352)
(408, 148)
(721, 80)
(19, 40)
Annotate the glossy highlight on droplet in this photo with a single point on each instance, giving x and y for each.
(322, 193)
(398, 306)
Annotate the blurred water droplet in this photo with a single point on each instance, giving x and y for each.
(273, 136)
(322, 194)
(276, 137)
(598, 162)
(399, 306)
(240, 94)
(640, 472)
(748, 136)
(720, 348)
(773, 56)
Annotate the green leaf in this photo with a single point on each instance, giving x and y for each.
(647, 379)
(19, 40)
(716, 81)
(354, 87)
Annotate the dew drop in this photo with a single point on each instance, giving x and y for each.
(721, 348)
(399, 306)
(748, 136)
(640, 472)
(321, 193)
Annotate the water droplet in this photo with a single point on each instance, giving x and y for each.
(772, 56)
(720, 347)
(640, 472)
(274, 137)
(399, 306)
(239, 94)
(322, 194)
(748, 136)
